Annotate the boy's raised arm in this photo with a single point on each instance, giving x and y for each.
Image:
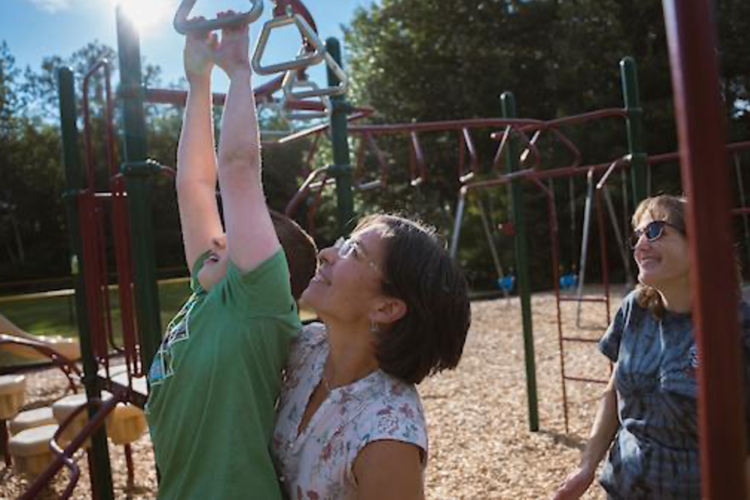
(196, 157)
(251, 237)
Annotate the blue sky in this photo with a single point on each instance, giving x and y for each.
(34, 29)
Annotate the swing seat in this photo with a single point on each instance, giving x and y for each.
(568, 281)
(30, 449)
(506, 283)
(12, 393)
(126, 424)
(32, 418)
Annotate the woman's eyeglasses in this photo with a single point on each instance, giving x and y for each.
(653, 231)
(347, 247)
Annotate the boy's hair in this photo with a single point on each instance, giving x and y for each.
(301, 252)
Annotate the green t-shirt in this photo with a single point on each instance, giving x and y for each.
(214, 383)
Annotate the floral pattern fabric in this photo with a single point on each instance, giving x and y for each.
(317, 463)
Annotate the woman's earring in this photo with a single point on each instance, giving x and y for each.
(374, 327)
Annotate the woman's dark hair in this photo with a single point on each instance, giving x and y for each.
(417, 269)
(670, 209)
(300, 250)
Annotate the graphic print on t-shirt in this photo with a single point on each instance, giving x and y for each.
(177, 331)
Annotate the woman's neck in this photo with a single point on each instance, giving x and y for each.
(676, 296)
(351, 356)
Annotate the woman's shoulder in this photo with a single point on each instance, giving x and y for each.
(394, 412)
(630, 301)
(312, 335)
(312, 338)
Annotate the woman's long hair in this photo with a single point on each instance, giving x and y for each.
(668, 208)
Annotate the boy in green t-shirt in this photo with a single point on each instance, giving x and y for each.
(216, 376)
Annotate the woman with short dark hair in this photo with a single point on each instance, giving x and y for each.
(394, 309)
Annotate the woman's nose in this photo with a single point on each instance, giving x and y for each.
(641, 242)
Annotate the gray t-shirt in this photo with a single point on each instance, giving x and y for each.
(655, 453)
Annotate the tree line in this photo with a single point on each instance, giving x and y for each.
(413, 61)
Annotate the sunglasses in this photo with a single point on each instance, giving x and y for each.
(653, 231)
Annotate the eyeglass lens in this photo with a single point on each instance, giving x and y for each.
(653, 232)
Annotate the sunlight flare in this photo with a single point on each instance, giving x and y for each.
(147, 14)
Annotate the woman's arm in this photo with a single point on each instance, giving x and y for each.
(196, 158)
(603, 431)
(389, 469)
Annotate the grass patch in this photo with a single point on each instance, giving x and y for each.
(55, 314)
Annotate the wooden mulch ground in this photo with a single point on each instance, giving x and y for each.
(480, 443)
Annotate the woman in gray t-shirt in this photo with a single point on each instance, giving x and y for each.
(649, 412)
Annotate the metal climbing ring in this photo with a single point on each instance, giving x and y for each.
(183, 25)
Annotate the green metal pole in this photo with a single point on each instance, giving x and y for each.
(522, 265)
(342, 169)
(638, 165)
(101, 475)
(139, 174)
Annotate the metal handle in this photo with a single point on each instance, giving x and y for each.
(290, 82)
(184, 26)
(304, 58)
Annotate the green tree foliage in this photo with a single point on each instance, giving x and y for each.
(33, 239)
(28, 175)
(425, 60)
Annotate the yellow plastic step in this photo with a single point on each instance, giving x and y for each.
(126, 424)
(12, 393)
(30, 449)
(62, 408)
(32, 418)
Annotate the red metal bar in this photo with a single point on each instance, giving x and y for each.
(576, 119)
(303, 191)
(297, 7)
(582, 299)
(313, 209)
(691, 33)
(381, 160)
(554, 233)
(318, 129)
(589, 380)
(179, 97)
(4, 443)
(67, 366)
(89, 260)
(443, 126)
(124, 265)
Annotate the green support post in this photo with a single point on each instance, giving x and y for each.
(521, 248)
(138, 173)
(631, 94)
(342, 169)
(101, 475)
